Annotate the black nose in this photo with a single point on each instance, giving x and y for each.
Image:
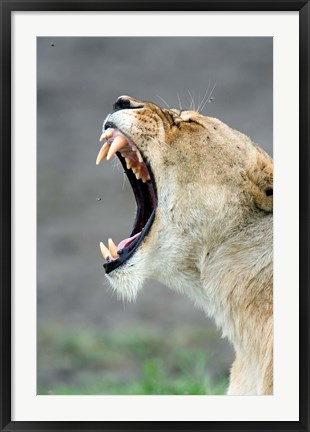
(124, 102)
(121, 103)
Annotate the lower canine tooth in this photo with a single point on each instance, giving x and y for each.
(105, 251)
(113, 249)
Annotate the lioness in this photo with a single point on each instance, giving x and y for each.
(203, 224)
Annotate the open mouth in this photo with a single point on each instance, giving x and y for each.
(141, 178)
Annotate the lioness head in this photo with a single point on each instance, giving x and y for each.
(197, 182)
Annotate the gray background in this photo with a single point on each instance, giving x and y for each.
(80, 204)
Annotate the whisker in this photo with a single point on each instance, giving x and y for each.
(180, 105)
(156, 140)
(153, 139)
(202, 102)
(116, 164)
(192, 105)
(208, 98)
(124, 180)
(198, 100)
(163, 100)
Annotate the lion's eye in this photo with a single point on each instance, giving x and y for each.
(186, 116)
(179, 117)
(176, 120)
(191, 120)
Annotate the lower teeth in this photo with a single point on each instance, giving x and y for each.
(112, 252)
(109, 253)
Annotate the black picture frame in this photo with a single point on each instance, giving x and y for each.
(7, 7)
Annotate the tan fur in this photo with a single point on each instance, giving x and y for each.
(212, 234)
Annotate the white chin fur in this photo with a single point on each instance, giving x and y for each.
(128, 279)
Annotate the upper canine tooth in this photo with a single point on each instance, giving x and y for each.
(102, 153)
(118, 143)
(105, 251)
(113, 248)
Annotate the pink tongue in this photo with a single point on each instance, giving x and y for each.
(126, 242)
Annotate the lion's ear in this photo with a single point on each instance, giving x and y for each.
(260, 177)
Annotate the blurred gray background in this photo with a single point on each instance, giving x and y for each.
(79, 204)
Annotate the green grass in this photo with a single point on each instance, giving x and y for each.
(131, 362)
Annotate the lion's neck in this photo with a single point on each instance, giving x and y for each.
(232, 282)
